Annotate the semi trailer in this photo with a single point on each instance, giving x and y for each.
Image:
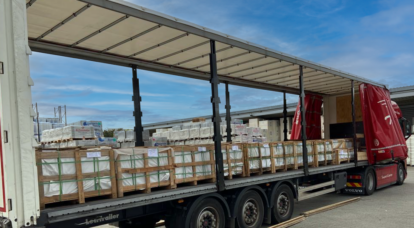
(123, 34)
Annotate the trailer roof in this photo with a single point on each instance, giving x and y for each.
(121, 33)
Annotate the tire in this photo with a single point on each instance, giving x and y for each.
(207, 211)
(370, 182)
(250, 213)
(283, 204)
(400, 174)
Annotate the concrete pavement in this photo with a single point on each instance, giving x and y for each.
(389, 207)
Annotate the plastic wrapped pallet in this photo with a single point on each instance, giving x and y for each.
(204, 154)
(254, 122)
(177, 128)
(206, 124)
(143, 169)
(329, 150)
(195, 125)
(258, 158)
(42, 127)
(236, 121)
(240, 129)
(157, 141)
(289, 154)
(184, 134)
(107, 142)
(194, 133)
(78, 132)
(205, 132)
(58, 125)
(299, 151)
(65, 170)
(339, 143)
(278, 155)
(175, 135)
(254, 131)
(189, 142)
(56, 134)
(197, 142)
(319, 146)
(233, 159)
(242, 139)
(81, 143)
(120, 136)
(166, 134)
(182, 156)
(129, 136)
(45, 136)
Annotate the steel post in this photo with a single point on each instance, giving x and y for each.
(137, 108)
(215, 101)
(228, 117)
(285, 138)
(354, 123)
(303, 122)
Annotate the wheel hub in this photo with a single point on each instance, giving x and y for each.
(283, 204)
(250, 212)
(207, 218)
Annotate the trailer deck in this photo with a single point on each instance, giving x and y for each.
(56, 215)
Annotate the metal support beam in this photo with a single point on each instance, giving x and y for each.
(303, 122)
(228, 117)
(137, 108)
(285, 138)
(215, 101)
(354, 123)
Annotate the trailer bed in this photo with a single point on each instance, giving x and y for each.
(61, 214)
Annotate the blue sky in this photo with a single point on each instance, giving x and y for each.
(372, 39)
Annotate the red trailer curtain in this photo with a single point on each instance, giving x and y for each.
(383, 135)
(313, 107)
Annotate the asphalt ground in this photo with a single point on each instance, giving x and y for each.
(389, 207)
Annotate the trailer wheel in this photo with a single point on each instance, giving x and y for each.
(370, 182)
(250, 214)
(283, 204)
(208, 214)
(400, 174)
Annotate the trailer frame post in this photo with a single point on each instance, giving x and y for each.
(216, 119)
(285, 138)
(354, 124)
(228, 116)
(137, 108)
(303, 122)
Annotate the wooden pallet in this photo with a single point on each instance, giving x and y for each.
(298, 154)
(277, 151)
(193, 157)
(78, 177)
(234, 157)
(255, 154)
(142, 169)
(320, 153)
(290, 155)
(342, 156)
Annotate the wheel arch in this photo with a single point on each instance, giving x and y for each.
(274, 188)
